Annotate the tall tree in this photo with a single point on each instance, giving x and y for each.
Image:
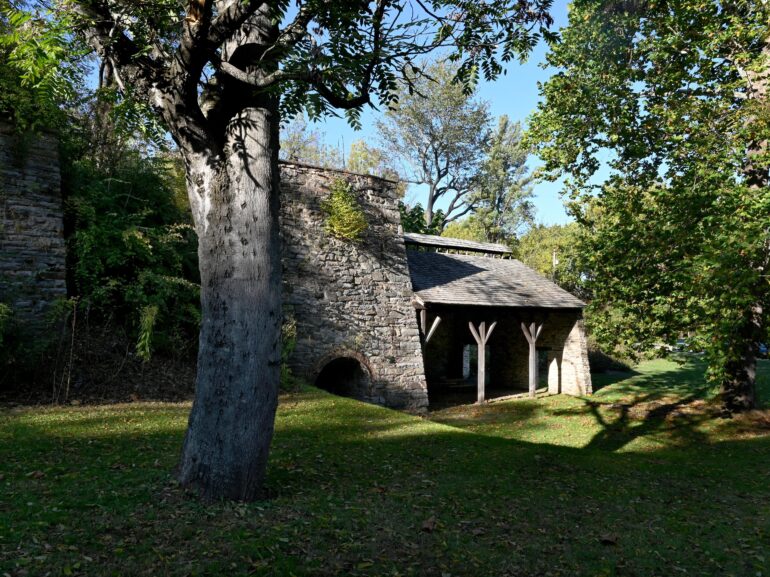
(367, 159)
(557, 252)
(677, 93)
(301, 143)
(220, 74)
(438, 129)
(502, 188)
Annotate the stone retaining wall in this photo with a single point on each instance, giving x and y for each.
(32, 247)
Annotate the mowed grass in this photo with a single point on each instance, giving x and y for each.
(662, 403)
(618, 486)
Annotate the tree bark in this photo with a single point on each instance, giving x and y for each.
(429, 205)
(738, 389)
(739, 385)
(235, 200)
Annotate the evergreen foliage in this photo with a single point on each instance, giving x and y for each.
(413, 219)
(502, 189)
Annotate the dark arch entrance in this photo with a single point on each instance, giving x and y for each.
(345, 376)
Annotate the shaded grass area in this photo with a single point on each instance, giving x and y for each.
(361, 490)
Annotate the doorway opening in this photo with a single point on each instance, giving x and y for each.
(345, 376)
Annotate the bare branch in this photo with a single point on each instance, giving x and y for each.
(231, 19)
(258, 79)
(290, 36)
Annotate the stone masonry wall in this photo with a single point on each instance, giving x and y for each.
(563, 338)
(32, 248)
(350, 299)
(568, 370)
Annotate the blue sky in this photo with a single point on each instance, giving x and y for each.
(515, 94)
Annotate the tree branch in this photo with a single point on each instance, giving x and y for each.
(257, 79)
(290, 36)
(230, 19)
(109, 41)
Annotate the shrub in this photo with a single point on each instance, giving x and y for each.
(135, 251)
(345, 218)
(602, 362)
(288, 342)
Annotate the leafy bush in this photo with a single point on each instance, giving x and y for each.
(344, 216)
(288, 341)
(135, 257)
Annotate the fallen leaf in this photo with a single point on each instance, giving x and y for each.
(608, 539)
(429, 525)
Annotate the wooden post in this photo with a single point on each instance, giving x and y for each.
(531, 333)
(433, 327)
(424, 332)
(481, 336)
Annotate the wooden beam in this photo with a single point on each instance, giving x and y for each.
(433, 327)
(531, 333)
(482, 336)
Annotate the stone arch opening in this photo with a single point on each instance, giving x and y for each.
(345, 376)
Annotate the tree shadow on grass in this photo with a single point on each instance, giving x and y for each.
(686, 379)
(645, 419)
(366, 491)
(672, 402)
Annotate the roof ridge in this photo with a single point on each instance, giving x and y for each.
(455, 243)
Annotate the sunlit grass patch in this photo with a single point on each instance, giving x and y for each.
(661, 403)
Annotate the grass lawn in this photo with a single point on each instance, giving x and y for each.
(638, 480)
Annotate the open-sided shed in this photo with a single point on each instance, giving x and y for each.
(484, 314)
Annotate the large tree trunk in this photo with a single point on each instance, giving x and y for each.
(235, 201)
(738, 389)
(739, 385)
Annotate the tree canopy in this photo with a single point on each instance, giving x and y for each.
(671, 97)
(219, 76)
(438, 129)
(502, 190)
(557, 252)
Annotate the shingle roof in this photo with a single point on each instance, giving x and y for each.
(454, 243)
(482, 281)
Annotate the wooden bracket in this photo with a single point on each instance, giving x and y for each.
(482, 336)
(531, 333)
(433, 327)
(426, 333)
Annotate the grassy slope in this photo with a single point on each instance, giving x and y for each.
(362, 490)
